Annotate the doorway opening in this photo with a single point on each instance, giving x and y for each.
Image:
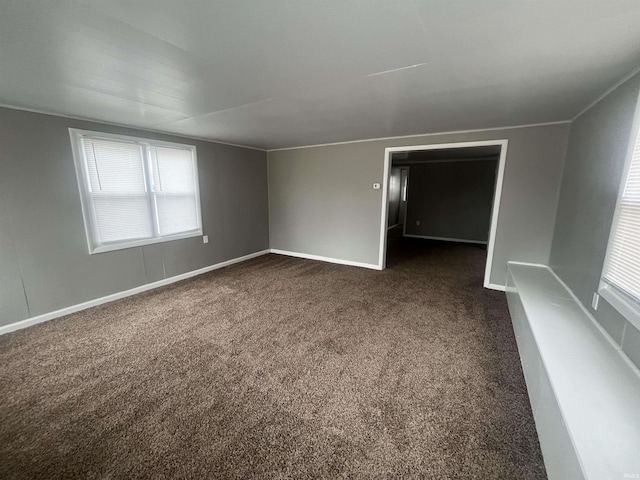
(443, 193)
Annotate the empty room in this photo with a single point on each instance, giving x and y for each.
(320, 239)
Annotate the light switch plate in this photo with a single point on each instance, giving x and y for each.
(205, 239)
(595, 301)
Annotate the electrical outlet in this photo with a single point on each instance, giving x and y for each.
(205, 239)
(418, 223)
(376, 186)
(595, 300)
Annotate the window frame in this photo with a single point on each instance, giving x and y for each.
(627, 305)
(82, 175)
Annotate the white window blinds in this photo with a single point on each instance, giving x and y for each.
(135, 191)
(622, 267)
(117, 190)
(173, 182)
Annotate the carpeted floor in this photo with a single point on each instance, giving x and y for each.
(278, 368)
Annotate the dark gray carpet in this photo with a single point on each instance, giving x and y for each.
(277, 368)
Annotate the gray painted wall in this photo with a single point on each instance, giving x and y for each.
(322, 201)
(593, 171)
(43, 246)
(451, 199)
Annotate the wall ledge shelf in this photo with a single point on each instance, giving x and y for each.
(584, 391)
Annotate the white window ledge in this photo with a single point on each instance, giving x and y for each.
(625, 305)
(584, 392)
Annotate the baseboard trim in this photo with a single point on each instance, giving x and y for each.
(446, 239)
(503, 288)
(529, 264)
(325, 259)
(127, 293)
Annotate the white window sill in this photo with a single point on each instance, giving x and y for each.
(140, 243)
(627, 307)
(583, 389)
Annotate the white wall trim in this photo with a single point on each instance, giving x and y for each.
(384, 212)
(446, 239)
(406, 202)
(592, 318)
(575, 298)
(585, 310)
(127, 293)
(267, 150)
(415, 135)
(495, 286)
(527, 264)
(407, 163)
(605, 94)
(339, 261)
(625, 304)
(497, 196)
(495, 211)
(121, 125)
(566, 403)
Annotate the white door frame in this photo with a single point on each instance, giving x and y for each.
(494, 209)
(406, 202)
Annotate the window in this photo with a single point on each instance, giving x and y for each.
(620, 284)
(135, 191)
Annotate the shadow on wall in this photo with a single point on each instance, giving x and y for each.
(449, 193)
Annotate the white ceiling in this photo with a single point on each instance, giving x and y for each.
(282, 73)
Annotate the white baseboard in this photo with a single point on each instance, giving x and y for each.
(529, 264)
(495, 286)
(150, 286)
(127, 293)
(503, 288)
(326, 259)
(446, 239)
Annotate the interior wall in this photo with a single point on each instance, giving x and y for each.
(593, 171)
(322, 201)
(44, 259)
(451, 199)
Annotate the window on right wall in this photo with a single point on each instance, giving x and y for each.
(620, 280)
